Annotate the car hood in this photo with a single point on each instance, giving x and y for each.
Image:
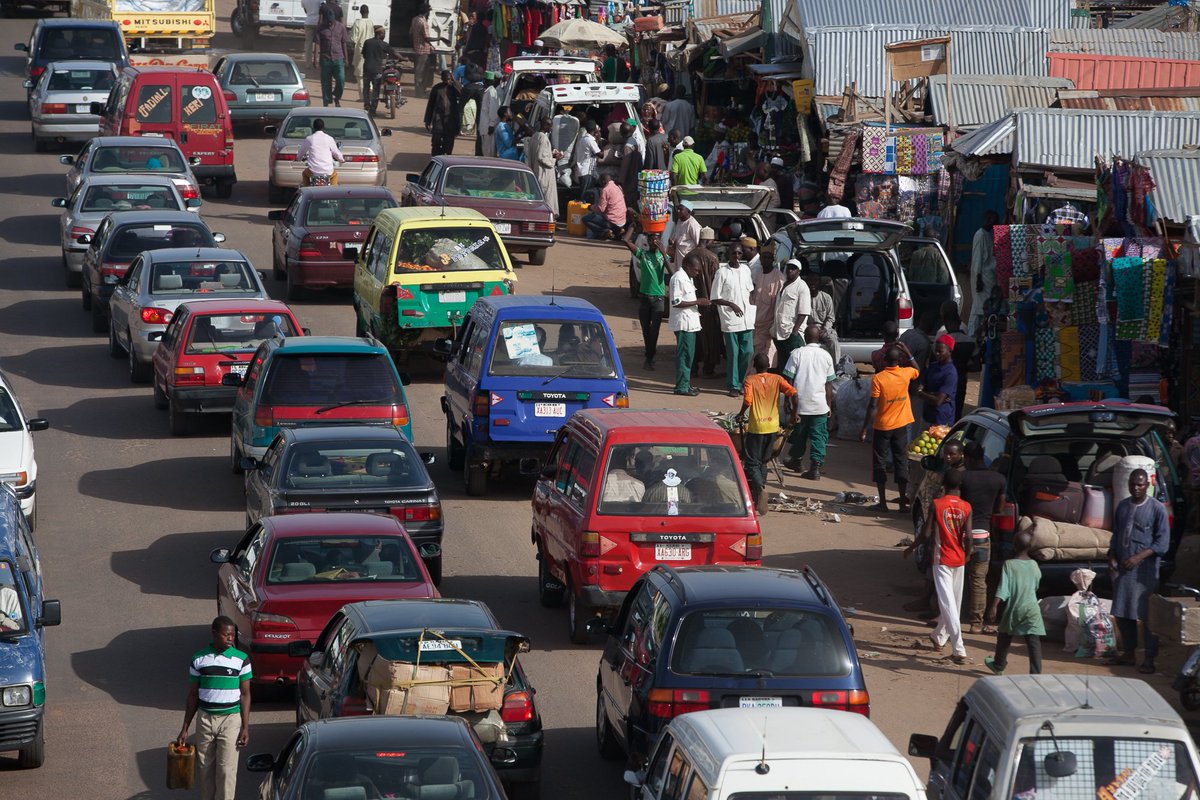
(847, 234)
(723, 199)
(311, 605)
(16, 451)
(1107, 419)
(20, 659)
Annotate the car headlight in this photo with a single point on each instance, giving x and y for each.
(15, 478)
(17, 696)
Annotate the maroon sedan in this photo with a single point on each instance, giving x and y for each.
(503, 190)
(290, 574)
(316, 240)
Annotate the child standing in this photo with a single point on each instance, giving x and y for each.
(1022, 615)
(947, 530)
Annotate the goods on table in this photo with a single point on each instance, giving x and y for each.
(927, 443)
(1063, 541)
(653, 188)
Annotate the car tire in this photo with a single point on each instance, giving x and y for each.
(33, 755)
(578, 614)
(474, 480)
(74, 279)
(114, 347)
(236, 24)
(434, 567)
(537, 257)
(294, 290)
(138, 372)
(223, 188)
(40, 145)
(85, 295)
(606, 742)
(99, 318)
(235, 458)
(160, 397)
(454, 451)
(276, 194)
(549, 596)
(180, 421)
(277, 271)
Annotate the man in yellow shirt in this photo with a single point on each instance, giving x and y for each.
(761, 398)
(891, 413)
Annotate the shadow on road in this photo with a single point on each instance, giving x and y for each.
(194, 483)
(82, 365)
(37, 274)
(133, 667)
(175, 565)
(119, 417)
(36, 229)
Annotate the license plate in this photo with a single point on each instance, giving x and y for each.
(760, 702)
(83, 108)
(672, 552)
(262, 97)
(440, 645)
(503, 227)
(238, 369)
(452, 297)
(549, 409)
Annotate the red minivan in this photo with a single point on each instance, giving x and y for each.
(181, 103)
(624, 490)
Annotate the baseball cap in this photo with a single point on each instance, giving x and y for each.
(707, 234)
(688, 141)
(795, 262)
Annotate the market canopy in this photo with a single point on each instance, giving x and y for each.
(580, 33)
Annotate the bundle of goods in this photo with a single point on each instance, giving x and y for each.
(405, 687)
(927, 443)
(1063, 541)
(653, 188)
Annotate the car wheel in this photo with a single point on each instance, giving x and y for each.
(73, 278)
(40, 145)
(474, 480)
(294, 290)
(276, 269)
(85, 295)
(276, 194)
(606, 742)
(434, 566)
(236, 24)
(114, 347)
(454, 451)
(550, 591)
(235, 458)
(538, 257)
(33, 755)
(224, 188)
(578, 613)
(138, 372)
(180, 421)
(99, 318)
(160, 397)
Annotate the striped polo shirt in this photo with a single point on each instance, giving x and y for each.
(219, 676)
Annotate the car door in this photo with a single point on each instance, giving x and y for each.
(243, 404)
(237, 597)
(94, 255)
(330, 681)
(259, 482)
(461, 378)
(619, 659)
(571, 500)
(78, 166)
(288, 768)
(313, 679)
(151, 106)
(202, 118)
(283, 233)
(163, 361)
(656, 769)
(124, 301)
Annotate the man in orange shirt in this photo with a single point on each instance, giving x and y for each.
(891, 413)
(760, 397)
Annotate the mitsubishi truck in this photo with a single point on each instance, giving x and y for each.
(172, 33)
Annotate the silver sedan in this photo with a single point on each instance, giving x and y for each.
(60, 102)
(100, 195)
(357, 137)
(158, 282)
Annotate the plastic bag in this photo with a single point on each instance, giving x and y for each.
(1057, 619)
(846, 366)
(850, 399)
(1096, 631)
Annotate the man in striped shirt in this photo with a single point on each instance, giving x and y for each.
(220, 691)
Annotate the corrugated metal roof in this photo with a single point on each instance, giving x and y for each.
(717, 8)
(993, 139)
(1069, 138)
(1132, 42)
(836, 57)
(1123, 72)
(728, 25)
(1094, 100)
(1176, 176)
(809, 15)
(1160, 18)
(980, 99)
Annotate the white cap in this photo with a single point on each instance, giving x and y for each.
(688, 141)
(795, 262)
(776, 162)
(707, 233)
(538, 43)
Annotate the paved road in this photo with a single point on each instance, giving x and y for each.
(128, 514)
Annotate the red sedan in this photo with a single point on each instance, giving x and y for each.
(317, 238)
(290, 574)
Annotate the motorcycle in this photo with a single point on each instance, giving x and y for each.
(389, 87)
(310, 178)
(1187, 682)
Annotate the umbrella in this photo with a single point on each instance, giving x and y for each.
(580, 33)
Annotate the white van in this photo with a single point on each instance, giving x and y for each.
(597, 100)
(557, 70)
(1064, 736)
(777, 753)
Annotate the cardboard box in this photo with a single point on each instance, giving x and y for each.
(418, 700)
(476, 689)
(1175, 619)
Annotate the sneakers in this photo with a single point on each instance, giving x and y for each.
(692, 392)
(990, 663)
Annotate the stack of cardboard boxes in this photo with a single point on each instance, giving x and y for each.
(405, 687)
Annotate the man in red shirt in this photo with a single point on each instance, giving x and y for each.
(608, 215)
(947, 527)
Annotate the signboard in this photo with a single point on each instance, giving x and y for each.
(919, 58)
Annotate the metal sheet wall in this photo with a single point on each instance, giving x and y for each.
(1071, 138)
(1117, 72)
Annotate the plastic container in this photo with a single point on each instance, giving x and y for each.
(575, 213)
(1126, 467)
(181, 766)
(1097, 507)
(654, 224)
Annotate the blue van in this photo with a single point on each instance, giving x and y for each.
(517, 370)
(23, 617)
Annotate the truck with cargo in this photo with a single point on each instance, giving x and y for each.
(158, 32)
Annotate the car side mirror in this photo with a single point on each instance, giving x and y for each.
(194, 161)
(28, 84)
(549, 471)
(21, 46)
(635, 779)
(931, 463)
(231, 379)
(260, 762)
(443, 347)
(385, 131)
(428, 459)
(430, 550)
(219, 556)
(300, 649)
(598, 626)
(412, 177)
(193, 202)
(155, 336)
(36, 424)
(51, 613)
(405, 379)
(306, 331)
(84, 238)
(922, 745)
(66, 160)
(219, 238)
(59, 202)
(248, 464)
(271, 130)
(275, 216)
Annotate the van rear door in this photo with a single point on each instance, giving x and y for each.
(203, 119)
(931, 279)
(150, 109)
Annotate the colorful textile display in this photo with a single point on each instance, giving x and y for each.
(876, 196)
(1083, 305)
(1045, 355)
(1002, 251)
(1068, 353)
(1130, 293)
(1012, 359)
(901, 153)
(1089, 351)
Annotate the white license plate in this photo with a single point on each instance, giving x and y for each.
(238, 369)
(760, 702)
(83, 108)
(549, 409)
(672, 552)
(503, 228)
(438, 645)
(262, 97)
(453, 297)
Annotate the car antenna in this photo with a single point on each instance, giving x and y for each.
(762, 768)
(1087, 692)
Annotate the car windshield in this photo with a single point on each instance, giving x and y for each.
(81, 80)
(363, 465)
(263, 73)
(817, 796)
(101, 197)
(672, 480)
(497, 182)
(79, 44)
(239, 333)
(133, 239)
(345, 210)
(329, 379)
(783, 642)
(1105, 766)
(202, 277)
(343, 129)
(12, 613)
(443, 771)
(574, 349)
(321, 559)
(10, 419)
(448, 249)
(137, 159)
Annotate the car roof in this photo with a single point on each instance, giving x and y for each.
(481, 161)
(195, 254)
(1014, 699)
(161, 216)
(552, 62)
(368, 732)
(82, 64)
(670, 424)
(78, 23)
(600, 92)
(330, 344)
(133, 141)
(725, 733)
(170, 70)
(258, 57)
(383, 616)
(509, 305)
(321, 523)
(706, 584)
(345, 433)
(404, 216)
(314, 192)
(224, 306)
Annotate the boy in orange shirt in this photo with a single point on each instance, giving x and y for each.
(890, 413)
(760, 396)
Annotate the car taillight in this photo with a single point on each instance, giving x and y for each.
(422, 513)
(36, 72)
(352, 707)
(300, 95)
(372, 159)
(111, 273)
(309, 248)
(481, 405)
(285, 156)
(855, 700)
(15, 478)
(264, 416)
(187, 191)
(906, 308)
(621, 401)
(399, 415)
(518, 707)
(79, 230)
(271, 623)
(230, 97)
(670, 703)
(54, 108)
(539, 227)
(157, 316)
(753, 547)
(186, 375)
(590, 541)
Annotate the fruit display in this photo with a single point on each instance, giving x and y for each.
(927, 443)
